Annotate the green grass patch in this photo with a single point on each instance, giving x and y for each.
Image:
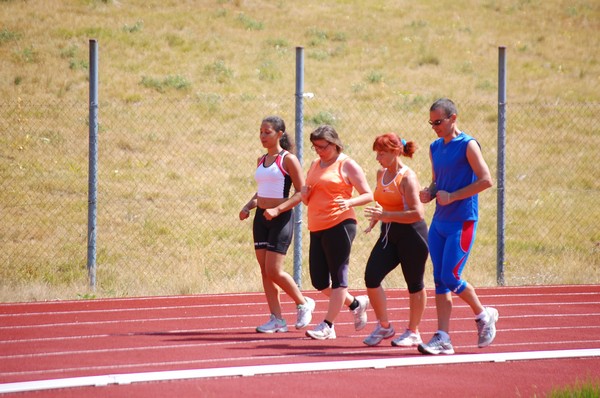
(250, 23)
(170, 82)
(219, 71)
(7, 35)
(582, 389)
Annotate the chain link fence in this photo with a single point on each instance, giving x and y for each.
(173, 175)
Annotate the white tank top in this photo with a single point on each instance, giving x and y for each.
(273, 181)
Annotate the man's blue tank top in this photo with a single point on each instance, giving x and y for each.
(453, 172)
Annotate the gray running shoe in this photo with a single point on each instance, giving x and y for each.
(437, 345)
(487, 330)
(379, 334)
(274, 325)
(407, 339)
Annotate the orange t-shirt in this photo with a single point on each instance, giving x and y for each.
(327, 184)
(389, 195)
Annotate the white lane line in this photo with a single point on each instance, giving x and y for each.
(193, 316)
(309, 353)
(179, 346)
(147, 298)
(586, 289)
(104, 380)
(200, 306)
(179, 332)
(120, 310)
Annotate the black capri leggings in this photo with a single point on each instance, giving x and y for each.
(329, 255)
(404, 244)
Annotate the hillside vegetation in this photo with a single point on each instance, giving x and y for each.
(183, 48)
(184, 85)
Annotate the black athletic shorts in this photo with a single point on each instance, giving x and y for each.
(274, 235)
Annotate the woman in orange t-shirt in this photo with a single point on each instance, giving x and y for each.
(330, 182)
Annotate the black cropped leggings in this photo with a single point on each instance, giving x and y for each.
(329, 255)
(404, 244)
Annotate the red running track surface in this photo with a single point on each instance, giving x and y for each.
(548, 337)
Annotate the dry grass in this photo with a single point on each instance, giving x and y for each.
(221, 59)
(247, 47)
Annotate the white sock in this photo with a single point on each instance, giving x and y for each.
(443, 334)
(483, 316)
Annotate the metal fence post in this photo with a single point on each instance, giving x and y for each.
(93, 163)
(501, 165)
(299, 153)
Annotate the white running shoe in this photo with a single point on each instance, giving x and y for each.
(360, 312)
(322, 332)
(379, 334)
(407, 339)
(305, 313)
(486, 331)
(274, 325)
(437, 345)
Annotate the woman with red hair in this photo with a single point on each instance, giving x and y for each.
(403, 239)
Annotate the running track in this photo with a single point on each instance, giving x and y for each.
(548, 337)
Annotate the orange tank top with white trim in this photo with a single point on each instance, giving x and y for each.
(327, 184)
(389, 195)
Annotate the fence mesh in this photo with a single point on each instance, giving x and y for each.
(173, 175)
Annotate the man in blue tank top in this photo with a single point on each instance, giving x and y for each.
(459, 173)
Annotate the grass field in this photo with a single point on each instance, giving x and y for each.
(184, 84)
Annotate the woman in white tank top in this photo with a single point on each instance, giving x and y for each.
(276, 172)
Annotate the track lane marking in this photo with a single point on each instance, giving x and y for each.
(129, 378)
(177, 346)
(158, 319)
(317, 354)
(175, 332)
(199, 306)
